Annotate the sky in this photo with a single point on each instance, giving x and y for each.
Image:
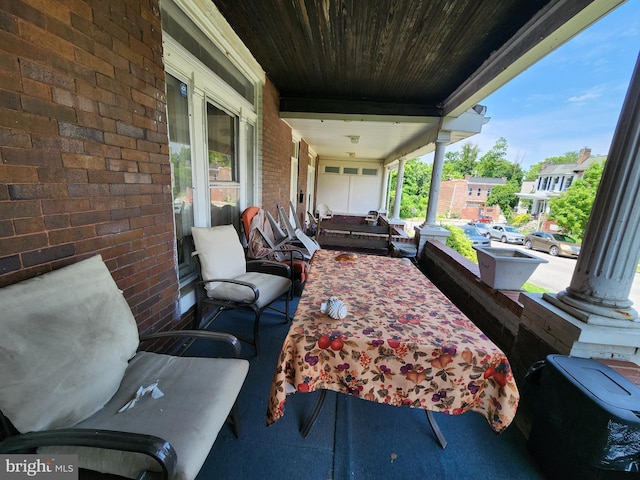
(570, 99)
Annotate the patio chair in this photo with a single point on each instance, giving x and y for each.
(229, 281)
(261, 244)
(70, 363)
(324, 212)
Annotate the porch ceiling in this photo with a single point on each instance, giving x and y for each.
(405, 63)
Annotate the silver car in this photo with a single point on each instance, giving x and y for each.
(506, 234)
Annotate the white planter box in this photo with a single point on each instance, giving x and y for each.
(504, 268)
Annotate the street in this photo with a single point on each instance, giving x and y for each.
(556, 275)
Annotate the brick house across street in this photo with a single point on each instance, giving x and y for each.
(467, 197)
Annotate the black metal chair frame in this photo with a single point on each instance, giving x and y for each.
(260, 265)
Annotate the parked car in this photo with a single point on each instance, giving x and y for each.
(483, 228)
(473, 234)
(506, 234)
(483, 219)
(553, 243)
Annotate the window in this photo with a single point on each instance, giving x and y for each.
(350, 171)
(479, 191)
(181, 172)
(470, 191)
(328, 169)
(224, 187)
(370, 171)
(212, 116)
(567, 183)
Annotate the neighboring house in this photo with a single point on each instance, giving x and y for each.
(553, 180)
(467, 197)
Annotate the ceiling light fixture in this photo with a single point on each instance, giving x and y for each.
(354, 138)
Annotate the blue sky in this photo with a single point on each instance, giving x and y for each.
(568, 100)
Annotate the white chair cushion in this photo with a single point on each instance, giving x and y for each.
(269, 286)
(198, 396)
(66, 339)
(220, 252)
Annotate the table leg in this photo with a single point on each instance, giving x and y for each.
(436, 429)
(311, 419)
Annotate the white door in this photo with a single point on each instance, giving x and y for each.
(311, 182)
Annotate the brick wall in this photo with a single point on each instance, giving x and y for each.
(276, 152)
(452, 196)
(84, 165)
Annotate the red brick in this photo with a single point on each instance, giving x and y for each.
(37, 191)
(22, 243)
(137, 178)
(97, 122)
(55, 10)
(54, 222)
(112, 227)
(18, 174)
(86, 162)
(31, 157)
(36, 89)
(51, 207)
(136, 155)
(28, 225)
(27, 122)
(119, 140)
(6, 228)
(62, 175)
(122, 165)
(89, 218)
(46, 255)
(100, 176)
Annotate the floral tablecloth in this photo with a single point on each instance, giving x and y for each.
(402, 343)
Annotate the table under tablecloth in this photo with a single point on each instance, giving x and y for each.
(402, 343)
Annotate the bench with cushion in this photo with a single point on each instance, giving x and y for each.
(69, 361)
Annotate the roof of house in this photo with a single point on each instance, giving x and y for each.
(570, 168)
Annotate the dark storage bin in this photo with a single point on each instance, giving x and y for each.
(586, 421)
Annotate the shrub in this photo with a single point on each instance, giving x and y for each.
(521, 219)
(459, 242)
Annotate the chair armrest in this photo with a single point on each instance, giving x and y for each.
(256, 292)
(270, 266)
(201, 334)
(157, 448)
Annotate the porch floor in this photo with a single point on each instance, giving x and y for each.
(352, 438)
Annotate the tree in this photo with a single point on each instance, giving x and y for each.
(415, 188)
(462, 163)
(494, 164)
(571, 211)
(504, 196)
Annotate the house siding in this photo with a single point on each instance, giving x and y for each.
(84, 164)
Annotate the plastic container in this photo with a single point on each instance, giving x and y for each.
(586, 421)
(504, 268)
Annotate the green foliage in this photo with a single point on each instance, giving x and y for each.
(459, 242)
(504, 196)
(521, 219)
(415, 188)
(571, 211)
(494, 164)
(462, 163)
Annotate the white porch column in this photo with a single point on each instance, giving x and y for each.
(429, 230)
(593, 317)
(436, 177)
(609, 255)
(396, 204)
(384, 191)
